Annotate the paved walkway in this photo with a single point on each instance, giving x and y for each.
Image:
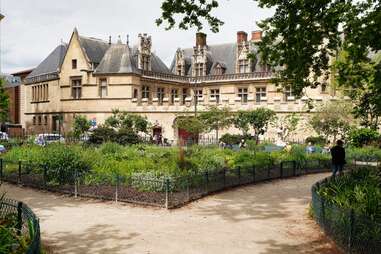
(269, 218)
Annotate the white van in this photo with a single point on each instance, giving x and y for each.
(44, 139)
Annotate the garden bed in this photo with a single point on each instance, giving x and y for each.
(348, 210)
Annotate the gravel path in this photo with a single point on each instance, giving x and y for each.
(268, 218)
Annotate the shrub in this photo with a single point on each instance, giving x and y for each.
(62, 163)
(316, 140)
(363, 136)
(231, 139)
(102, 135)
(371, 154)
(127, 137)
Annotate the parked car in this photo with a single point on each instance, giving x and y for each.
(3, 136)
(48, 138)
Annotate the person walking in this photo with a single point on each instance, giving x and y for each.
(338, 158)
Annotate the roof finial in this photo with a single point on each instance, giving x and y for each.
(109, 40)
(128, 40)
(119, 40)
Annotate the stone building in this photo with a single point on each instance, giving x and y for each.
(92, 77)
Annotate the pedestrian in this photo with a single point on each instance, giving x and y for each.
(338, 158)
(310, 148)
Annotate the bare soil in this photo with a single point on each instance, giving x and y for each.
(267, 218)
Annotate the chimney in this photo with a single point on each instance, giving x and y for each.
(200, 39)
(256, 36)
(241, 36)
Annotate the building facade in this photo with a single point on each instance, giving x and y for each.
(92, 77)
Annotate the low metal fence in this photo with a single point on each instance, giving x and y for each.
(163, 192)
(26, 223)
(355, 234)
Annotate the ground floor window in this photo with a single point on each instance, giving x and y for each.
(260, 93)
(215, 94)
(243, 94)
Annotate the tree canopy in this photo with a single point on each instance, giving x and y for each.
(302, 36)
(4, 103)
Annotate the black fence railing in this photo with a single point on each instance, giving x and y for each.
(26, 223)
(166, 192)
(354, 233)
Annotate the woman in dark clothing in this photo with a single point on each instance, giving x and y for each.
(338, 157)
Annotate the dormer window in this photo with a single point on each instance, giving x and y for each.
(145, 62)
(243, 66)
(199, 69)
(144, 56)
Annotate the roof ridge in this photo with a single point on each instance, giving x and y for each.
(93, 39)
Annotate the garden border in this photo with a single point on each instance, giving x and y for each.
(26, 221)
(165, 192)
(342, 225)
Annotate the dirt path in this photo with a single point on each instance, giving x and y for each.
(269, 218)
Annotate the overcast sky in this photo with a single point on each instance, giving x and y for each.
(33, 28)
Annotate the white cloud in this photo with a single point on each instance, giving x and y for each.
(32, 29)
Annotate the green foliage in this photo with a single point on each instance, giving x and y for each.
(127, 121)
(332, 120)
(215, 118)
(370, 154)
(360, 191)
(4, 102)
(287, 125)
(190, 124)
(80, 125)
(194, 11)
(301, 36)
(231, 139)
(319, 140)
(102, 134)
(258, 119)
(363, 136)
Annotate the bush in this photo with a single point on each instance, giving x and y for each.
(127, 137)
(62, 163)
(316, 140)
(370, 154)
(102, 135)
(231, 139)
(363, 136)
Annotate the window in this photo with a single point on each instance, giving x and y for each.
(198, 93)
(287, 93)
(174, 95)
(40, 93)
(34, 120)
(136, 93)
(160, 94)
(179, 67)
(243, 94)
(145, 62)
(260, 92)
(46, 120)
(199, 69)
(185, 95)
(145, 92)
(39, 120)
(76, 88)
(243, 66)
(215, 94)
(103, 88)
(323, 88)
(74, 64)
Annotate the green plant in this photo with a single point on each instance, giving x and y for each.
(80, 126)
(363, 136)
(101, 135)
(231, 139)
(319, 140)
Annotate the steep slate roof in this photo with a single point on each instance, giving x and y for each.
(120, 58)
(51, 64)
(224, 54)
(94, 48)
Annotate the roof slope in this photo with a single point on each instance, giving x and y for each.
(223, 54)
(52, 63)
(95, 48)
(120, 58)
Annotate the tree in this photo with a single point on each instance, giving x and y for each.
(128, 121)
(80, 125)
(302, 36)
(4, 103)
(362, 83)
(332, 120)
(215, 118)
(259, 119)
(287, 125)
(190, 124)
